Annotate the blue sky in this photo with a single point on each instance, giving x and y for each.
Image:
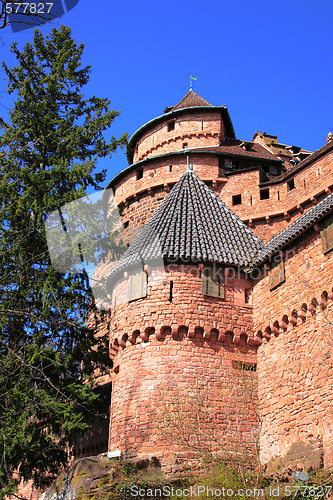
(270, 63)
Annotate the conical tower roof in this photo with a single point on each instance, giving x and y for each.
(190, 100)
(192, 223)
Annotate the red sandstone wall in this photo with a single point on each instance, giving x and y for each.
(155, 373)
(197, 130)
(158, 344)
(141, 197)
(196, 330)
(295, 369)
(188, 307)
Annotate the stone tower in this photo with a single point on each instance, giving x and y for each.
(188, 324)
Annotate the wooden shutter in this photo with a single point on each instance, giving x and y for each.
(137, 286)
(212, 283)
(326, 234)
(276, 274)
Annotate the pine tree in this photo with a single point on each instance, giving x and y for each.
(48, 152)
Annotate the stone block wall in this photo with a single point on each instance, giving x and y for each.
(163, 349)
(140, 197)
(196, 130)
(295, 368)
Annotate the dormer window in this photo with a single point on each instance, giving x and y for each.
(184, 145)
(247, 146)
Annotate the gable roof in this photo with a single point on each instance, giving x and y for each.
(192, 223)
(294, 230)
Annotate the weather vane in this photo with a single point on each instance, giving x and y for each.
(192, 78)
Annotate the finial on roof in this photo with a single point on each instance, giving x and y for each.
(188, 166)
(329, 137)
(191, 80)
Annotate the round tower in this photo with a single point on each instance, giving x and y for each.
(181, 335)
(158, 153)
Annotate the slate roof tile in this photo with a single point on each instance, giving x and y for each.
(193, 223)
(294, 230)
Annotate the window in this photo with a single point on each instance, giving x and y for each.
(184, 145)
(276, 273)
(171, 288)
(237, 199)
(244, 365)
(274, 170)
(247, 146)
(212, 282)
(139, 173)
(263, 176)
(326, 234)
(221, 167)
(170, 168)
(137, 286)
(264, 194)
(248, 296)
(291, 185)
(171, 126)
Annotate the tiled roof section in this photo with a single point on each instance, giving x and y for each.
(193, 223)
(304, 163)
(234, 147)
(190, 100)
(295, 229)
(277, 148)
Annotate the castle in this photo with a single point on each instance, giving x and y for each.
(245, 230)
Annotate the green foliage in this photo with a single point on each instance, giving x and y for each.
(48, 152)
(223, 479)
(127, 476)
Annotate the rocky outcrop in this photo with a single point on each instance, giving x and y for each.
(99, 478)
